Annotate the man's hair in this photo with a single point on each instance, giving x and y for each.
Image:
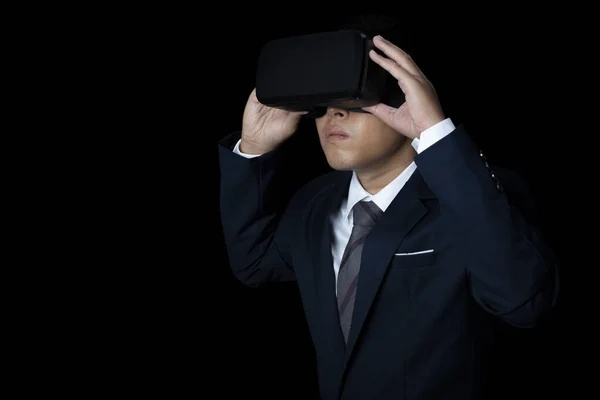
(388, 25)
(392, 28)
(371, 24)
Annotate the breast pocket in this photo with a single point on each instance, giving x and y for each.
(415, 260)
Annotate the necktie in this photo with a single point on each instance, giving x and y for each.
(365, 215)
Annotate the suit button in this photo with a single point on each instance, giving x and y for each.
(499, 187)
(482, 155)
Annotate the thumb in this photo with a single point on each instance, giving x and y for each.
(382, 111)
(298, 114)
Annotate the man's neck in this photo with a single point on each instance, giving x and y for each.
(376, 178)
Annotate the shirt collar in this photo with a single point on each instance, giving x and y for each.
(383, 198)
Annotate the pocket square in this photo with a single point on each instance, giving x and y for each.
(413, 253)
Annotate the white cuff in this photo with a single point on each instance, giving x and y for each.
(433, 134)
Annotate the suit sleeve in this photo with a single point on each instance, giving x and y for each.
(253, 200)
(512, 269)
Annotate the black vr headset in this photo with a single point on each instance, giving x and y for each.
(329, 69)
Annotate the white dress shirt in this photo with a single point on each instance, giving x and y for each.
(342, 219)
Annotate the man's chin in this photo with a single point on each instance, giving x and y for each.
(341, 165)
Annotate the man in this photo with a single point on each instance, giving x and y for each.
(405, 255)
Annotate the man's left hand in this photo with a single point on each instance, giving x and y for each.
(422, 109)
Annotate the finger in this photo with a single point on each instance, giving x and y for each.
(298, 114)
(253, 96)
(401, 74)
(394, 52)
(383, 112)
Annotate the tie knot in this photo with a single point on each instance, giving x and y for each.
(366, 213)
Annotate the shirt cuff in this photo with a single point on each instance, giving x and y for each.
(236, 150)
(433, 134)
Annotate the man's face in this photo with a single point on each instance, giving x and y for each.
(356, 140)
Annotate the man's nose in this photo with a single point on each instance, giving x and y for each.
(337, 112)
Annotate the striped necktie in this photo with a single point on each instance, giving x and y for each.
(365, 214)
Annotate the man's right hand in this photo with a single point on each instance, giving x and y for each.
(264, 128)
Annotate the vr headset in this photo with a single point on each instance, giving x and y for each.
(316, 71)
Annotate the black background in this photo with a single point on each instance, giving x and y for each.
(182, 324)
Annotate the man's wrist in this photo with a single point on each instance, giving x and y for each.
(251, 149)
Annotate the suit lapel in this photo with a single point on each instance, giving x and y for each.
(403, 213)
(327, 202)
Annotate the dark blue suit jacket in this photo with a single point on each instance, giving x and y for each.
(421, 322)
